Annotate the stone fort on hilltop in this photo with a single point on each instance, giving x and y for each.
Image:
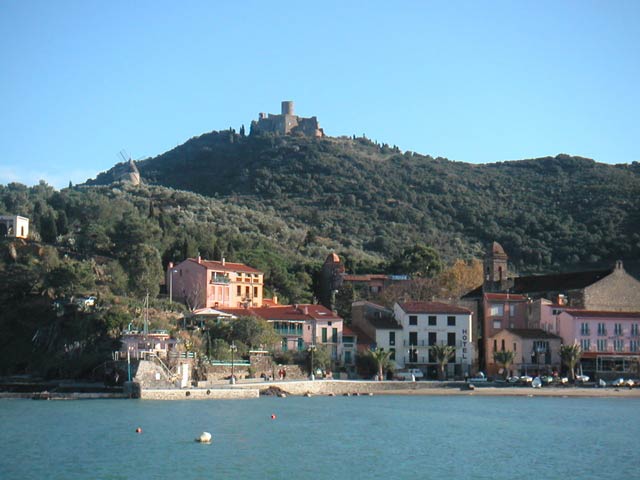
(286, 123)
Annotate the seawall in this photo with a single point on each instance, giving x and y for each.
(199, 394)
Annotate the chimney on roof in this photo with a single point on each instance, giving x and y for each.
(275, 300)
(619, 265)
(306, 310)
(223, 261)
(170, 265)
(199, 259)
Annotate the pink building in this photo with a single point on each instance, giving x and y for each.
(203, 283)
(499, 311)
(610, 341)
(536, 352)
(301, 326)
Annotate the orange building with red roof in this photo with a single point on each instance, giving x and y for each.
(215, 284)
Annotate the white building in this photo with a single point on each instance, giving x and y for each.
(14, 226)
(431, 323)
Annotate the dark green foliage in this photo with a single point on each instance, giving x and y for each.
(143, 266)
(418, 261)
(254, 332)
(321, 359)
(70, 278)
(48, 228)
(373, 202)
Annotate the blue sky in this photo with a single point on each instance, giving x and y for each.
(471, 81)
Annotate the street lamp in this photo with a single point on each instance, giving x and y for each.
(311, 349)
(233, 349)
(537, 351)
(540, 351)
(171, 272)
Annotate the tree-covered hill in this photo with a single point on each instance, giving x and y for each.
(549, 213)
(282, 204)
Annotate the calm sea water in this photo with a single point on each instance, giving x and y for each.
(322, 438)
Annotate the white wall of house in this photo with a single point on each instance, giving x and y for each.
(15, 225)
(421, 328)
(390, 340)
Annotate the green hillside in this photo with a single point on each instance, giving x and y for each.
(549, 213)
(281, 204)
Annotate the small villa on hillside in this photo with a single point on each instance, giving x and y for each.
(203, 283)
(14, 226)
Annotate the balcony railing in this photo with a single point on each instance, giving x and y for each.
(220, 279)
(288, 331)
(420, 343)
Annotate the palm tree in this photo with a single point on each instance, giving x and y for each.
(382, 360)
(443, 354)
(504, 358)
(570, 355)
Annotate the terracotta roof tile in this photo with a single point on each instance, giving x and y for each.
(505, 296)
(287, 312)
(227, 267)
(595, 313)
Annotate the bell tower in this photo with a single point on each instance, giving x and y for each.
(495, 268)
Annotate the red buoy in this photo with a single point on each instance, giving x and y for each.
(273, 417)
(138, 430)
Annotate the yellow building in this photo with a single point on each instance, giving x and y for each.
(215, 284)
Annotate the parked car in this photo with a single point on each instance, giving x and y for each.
(411, 374)
(621, 382)
(582, 378)
(480, 377)
(546, 379)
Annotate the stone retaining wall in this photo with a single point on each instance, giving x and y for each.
(199, 394)
(341, 387)
(150, 375)
(317, 387)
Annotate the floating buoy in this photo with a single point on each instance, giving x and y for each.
(138, 430)
(273, 416)
(205, 437)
